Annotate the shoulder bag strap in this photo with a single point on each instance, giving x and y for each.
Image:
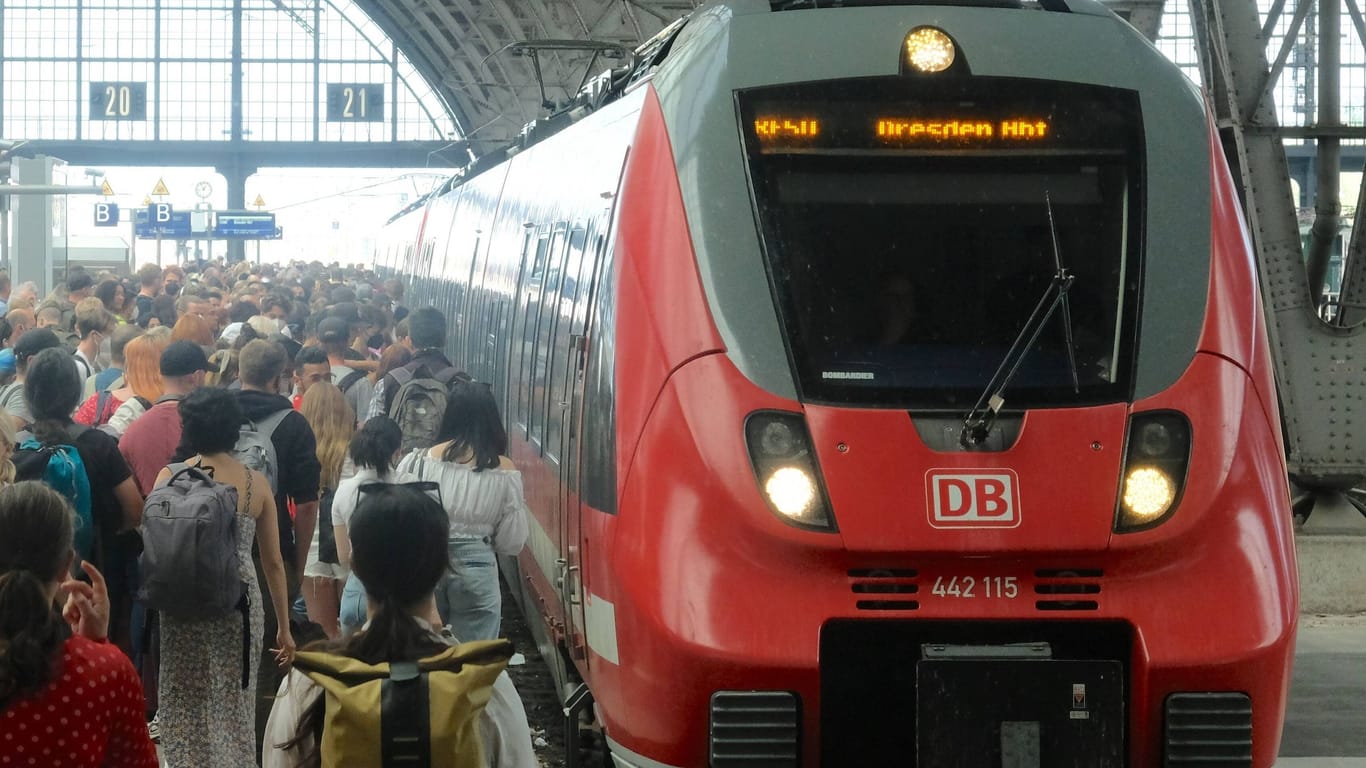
(271, 422)
(402, 375)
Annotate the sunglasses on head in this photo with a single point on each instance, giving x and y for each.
(428, 487)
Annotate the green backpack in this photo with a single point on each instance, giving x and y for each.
(415, 713)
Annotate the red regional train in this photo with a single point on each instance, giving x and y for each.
(891, 387)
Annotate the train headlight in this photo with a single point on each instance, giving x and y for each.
(1148, 493)
(790, 490)
(929, 50)
(1154, 470)
(786, 469)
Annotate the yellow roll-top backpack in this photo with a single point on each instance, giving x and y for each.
(410, 714)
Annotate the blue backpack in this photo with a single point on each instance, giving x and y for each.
(61, 468)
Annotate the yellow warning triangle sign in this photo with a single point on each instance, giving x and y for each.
(260, 202)
(107, 190)
(160, 188)
(147, 200)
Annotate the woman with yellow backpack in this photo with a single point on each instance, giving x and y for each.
(444, 704)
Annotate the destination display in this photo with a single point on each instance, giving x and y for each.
(248, 225)
(875, 114)
(160, 221)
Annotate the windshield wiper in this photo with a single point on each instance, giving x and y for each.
(977, 424)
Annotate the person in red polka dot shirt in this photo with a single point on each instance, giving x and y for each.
(67, 697)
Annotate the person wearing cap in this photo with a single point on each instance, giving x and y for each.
(12, 400)
(334, 335)
(149, 442)
(79, 285)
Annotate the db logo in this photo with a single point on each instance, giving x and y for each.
(970, 498)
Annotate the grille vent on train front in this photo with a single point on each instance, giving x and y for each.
(882, 589)
(1204, 730)
(754, 729)
(1063, 589)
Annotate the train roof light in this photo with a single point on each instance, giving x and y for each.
(929, 50)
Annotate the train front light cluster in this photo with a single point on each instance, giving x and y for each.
(785, 466)
(1154, 469)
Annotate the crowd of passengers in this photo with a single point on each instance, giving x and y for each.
(362, 528)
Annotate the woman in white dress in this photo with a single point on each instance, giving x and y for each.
(481, 491)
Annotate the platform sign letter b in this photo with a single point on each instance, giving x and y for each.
(106, 214)
(160, 213)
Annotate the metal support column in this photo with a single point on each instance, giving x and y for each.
(236, 175)
(237, 178)
(1327, 206)
(1319, 368)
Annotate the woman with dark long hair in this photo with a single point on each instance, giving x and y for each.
(399, 552)
(52, 387)
(60, 662)
(207, 704)
(481, 490)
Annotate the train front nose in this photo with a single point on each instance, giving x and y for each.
(893, 491)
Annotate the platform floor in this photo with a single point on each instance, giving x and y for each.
(1325, 723)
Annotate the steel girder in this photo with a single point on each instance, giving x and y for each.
(464, 49)
(1320, 368)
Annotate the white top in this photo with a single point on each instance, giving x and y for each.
(348, 494)
(359, 394)
(488, 502)
(314, 566)
(502, 725)
(127, 413)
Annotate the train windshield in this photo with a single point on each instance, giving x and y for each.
(910, 230)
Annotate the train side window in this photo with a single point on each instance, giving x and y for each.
(524, 331)
(598, 456)
(468, 315)
(561, 368)
(545, 323)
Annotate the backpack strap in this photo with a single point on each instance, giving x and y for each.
(144, 402)
(101, 404)
(350, 380)
(403, 375)
(74, 430)
(269, 423)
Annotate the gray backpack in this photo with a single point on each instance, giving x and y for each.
(255, 449)
(189, 562)
(420, 403)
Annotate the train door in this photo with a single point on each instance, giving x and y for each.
(566, 376)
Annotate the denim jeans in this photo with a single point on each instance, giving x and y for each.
(468, 598)
(352, 606)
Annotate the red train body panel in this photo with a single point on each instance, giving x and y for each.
(668, 580)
